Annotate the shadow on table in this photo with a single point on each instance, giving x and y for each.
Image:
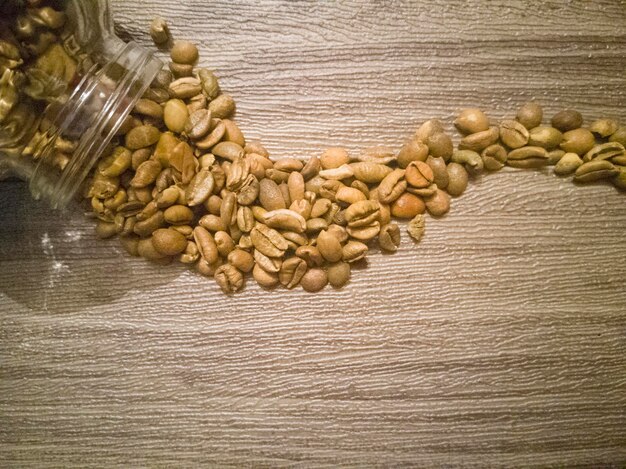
(51, 261)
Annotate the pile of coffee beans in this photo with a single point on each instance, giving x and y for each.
(182, 183)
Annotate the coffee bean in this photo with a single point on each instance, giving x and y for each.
(513, 134)
(389, 237)
(458, 179)
(471, 121)
(229, 278)
(314, 280)
(338, 274)
(184, 52)
(329, 246)
(578, 141)
(159, 31)
(566, 120)
(141, 137)
(407, 206)
(168, 242)
(530, 115)
(412, 150)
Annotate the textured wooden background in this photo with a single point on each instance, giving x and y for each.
(499, 340)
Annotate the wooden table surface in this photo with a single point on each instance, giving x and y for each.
(499, 340)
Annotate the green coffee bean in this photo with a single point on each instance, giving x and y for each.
(159, 31)
(141, 137)
(568, 163)
(175, 115)
(604, 127)
(494, 157)
(479, 141)
(528, 157)
(513, 134)
(338, 274)
(594, 171)
(470, 159)
(458, 179)
(530, 115)
(184, 52)
(222, 106)
(168, 242)
(578, 141)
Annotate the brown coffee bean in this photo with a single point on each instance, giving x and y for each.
(180, 70)
(105, 230)
(438, 204)
(198, 124)
(131, 244)
(364, 233)
(470, 159)
(568, 164)
(604, 128)
(594, 171)
(566, 120)
(224, 242)
(185, 87)
(314, 280)
(178, 215)
(159, 30)
(141, 137)
(407, 206)
(295, 184)
(147, 107)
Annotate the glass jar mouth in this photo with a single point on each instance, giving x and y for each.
(90, 118)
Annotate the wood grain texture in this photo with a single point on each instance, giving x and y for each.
(499, 340)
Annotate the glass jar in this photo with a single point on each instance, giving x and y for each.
(67, 83)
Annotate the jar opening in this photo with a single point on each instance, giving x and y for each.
(90, 118)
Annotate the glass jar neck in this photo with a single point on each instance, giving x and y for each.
(88, 120)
